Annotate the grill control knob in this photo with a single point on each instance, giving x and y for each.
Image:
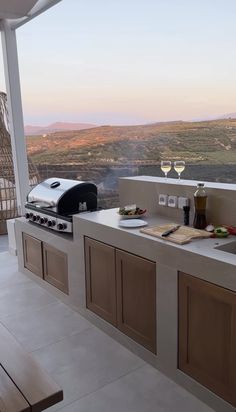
(37, 218)
(61, 226)
(34, 218)
(31, 215)
(27, 215)
(42, 220)
(51, 223)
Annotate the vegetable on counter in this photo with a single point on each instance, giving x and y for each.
(221, 231)
(231, 229)
(210, 228)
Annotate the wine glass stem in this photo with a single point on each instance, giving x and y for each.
(179, 175)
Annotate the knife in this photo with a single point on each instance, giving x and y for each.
(169, 231)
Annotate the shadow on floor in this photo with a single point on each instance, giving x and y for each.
(3, 243)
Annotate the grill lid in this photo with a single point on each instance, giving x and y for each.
(63, 196)
(49, 192)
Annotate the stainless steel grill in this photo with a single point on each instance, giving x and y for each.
(53, 202)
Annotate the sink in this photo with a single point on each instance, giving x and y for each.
(228, 247)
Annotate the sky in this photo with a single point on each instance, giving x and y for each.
(128, 61)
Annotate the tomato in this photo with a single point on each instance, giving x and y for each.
(231, 229)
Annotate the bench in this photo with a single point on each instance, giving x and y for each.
(24, 385)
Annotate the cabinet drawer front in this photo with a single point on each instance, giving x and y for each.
(33, 258)
(55, 267)
(100, 279)
(207, 335)
(136, 298)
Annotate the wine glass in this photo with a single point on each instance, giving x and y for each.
(165, 167)
(179, 166)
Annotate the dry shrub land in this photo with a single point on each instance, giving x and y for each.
(104, 153)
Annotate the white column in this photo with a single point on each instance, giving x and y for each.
(12, 77)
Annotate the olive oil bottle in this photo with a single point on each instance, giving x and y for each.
(200, 201)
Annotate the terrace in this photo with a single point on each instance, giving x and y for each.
(96, 373)
(98, 368)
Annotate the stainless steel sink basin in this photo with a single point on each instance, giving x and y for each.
(228, 247)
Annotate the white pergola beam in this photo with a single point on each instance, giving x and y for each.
(40, 7)
(11, 69)
(15, 9)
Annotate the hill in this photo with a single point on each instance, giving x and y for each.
(54, 127)
(228, 116)
(212, 142)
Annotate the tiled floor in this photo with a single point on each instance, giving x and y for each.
(3, 243)
(96, 373)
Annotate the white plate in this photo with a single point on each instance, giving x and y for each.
(132, 223)
(132, 216)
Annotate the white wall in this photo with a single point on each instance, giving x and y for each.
(144, 191)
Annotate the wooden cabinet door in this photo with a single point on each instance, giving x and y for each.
(207, 335)
(136, 298)
(100, 279)
(55, 267)
(32, 253)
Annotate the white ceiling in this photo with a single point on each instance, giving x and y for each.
(13, 9)
(19, 12)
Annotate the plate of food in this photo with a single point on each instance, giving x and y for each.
(131, 212)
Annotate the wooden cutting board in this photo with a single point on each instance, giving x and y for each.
(183, 235)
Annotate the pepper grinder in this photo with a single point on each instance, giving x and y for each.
(186, 210)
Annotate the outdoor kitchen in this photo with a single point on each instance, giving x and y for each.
(133, 307)
(78, 268)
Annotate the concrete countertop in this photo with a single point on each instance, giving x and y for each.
(180, 182)
(199, 257)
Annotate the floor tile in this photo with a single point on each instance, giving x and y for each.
(84, 362)
(3, 243)
(9, 275)
(9, 269)
(22, 297)
(143, 390)
(41, 327)
(7, 260)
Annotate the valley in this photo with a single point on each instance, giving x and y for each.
(103, 154)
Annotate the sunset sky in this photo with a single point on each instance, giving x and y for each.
(128, 61)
